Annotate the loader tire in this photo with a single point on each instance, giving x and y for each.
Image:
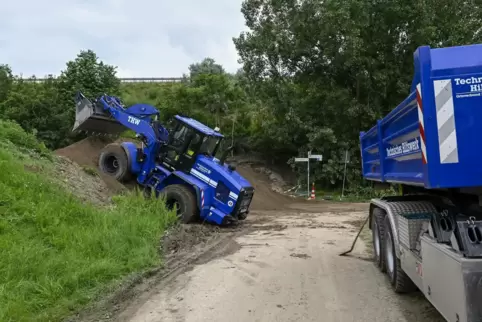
(400, 281)
(113, 162)
(182, 199)
(378, 229)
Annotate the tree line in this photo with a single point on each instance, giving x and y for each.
(315, 74)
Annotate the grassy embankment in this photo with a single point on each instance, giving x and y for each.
(57, 253)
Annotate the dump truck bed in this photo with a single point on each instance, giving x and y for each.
(434, 137)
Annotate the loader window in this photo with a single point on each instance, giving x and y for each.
(209, 145)
(180, 135)
(194, 144)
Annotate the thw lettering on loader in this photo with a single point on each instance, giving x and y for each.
(133, 120)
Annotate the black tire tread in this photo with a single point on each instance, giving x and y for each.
(116, 149)
(401, 283)
(187, 197)
(379, 216)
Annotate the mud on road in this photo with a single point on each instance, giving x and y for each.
(281, 264)
(276, 266)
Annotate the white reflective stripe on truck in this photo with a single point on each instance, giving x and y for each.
(421, 125)
(447, 135)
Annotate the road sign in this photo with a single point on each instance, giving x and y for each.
(317, 157)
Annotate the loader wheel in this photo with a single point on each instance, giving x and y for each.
(181, 198)
(378, 228)
(401, 283)
(113, 161)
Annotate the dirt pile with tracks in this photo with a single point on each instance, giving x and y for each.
(86, 153)
(85, 185)
(265, 197)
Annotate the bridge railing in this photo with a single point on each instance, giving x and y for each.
(122, 79)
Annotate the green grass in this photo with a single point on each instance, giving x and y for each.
(58, 254)
(129, 134)
(90, 171)
(359, 194)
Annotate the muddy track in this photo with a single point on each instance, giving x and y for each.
(276, 266)
(185, 246)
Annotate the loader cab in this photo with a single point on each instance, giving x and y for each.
(187, 139)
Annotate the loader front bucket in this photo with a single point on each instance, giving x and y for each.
(92, 118)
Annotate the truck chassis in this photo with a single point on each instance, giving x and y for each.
(413, 251)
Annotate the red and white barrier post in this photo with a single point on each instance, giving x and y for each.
(313, 195)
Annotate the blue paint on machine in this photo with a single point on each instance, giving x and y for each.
(179, 163)
(431, 138)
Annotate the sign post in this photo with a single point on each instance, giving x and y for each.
(345, 161)
(317, 157)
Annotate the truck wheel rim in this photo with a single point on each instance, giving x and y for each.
(376, 239)
(389, 253)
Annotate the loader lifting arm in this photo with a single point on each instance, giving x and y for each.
(107, 115)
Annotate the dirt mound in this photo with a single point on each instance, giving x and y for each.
(264, 196)
(84, 185)
(86, 154)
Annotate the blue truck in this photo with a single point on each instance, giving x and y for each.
(430, 236)
(177, 162)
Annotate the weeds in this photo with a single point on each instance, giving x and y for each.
(358, 194)
(90, 171)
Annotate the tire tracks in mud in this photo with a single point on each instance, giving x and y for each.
(185, 246)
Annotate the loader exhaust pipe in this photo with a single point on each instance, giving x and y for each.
(92, 118)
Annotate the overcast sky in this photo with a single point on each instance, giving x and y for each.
(144, 38)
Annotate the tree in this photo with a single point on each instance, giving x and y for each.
(37, 108)
(89, 75)
(6, 79)
(328, 69)
(206, 66)
(48, 108)
(86, 73)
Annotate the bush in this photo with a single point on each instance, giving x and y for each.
(13, 132)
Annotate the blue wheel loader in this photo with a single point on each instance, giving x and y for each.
(178, 162)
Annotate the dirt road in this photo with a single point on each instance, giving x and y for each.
(285, 268)
(281, 264)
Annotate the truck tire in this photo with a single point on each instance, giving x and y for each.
(182, 199)
(113, 161)
(400, 281)
(378, 228)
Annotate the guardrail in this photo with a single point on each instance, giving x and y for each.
(122, 79)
